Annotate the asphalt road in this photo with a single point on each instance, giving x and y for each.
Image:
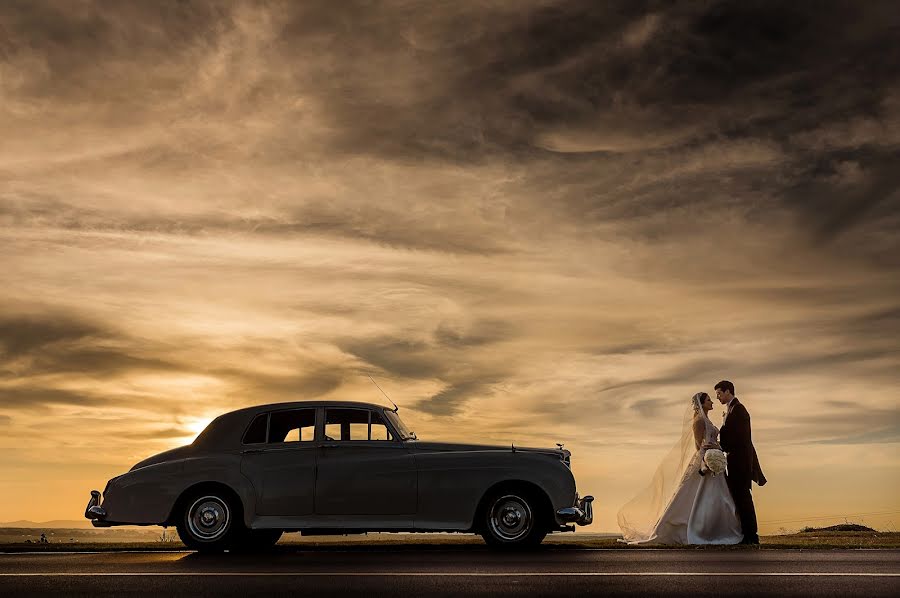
(465, 570)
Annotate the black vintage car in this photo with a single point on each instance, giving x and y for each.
(333, 467)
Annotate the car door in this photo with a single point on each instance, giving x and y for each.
(281, 462)
(363, 468)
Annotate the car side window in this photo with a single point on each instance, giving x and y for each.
(355, 424)
(294, 425)
(256, 433)
(379, 429)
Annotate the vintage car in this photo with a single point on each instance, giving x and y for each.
(340, 468)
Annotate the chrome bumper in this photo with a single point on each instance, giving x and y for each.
(581, 513)
(94, 511)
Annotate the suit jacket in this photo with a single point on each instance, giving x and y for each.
(743, 464)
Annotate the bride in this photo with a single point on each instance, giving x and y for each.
(685, 503)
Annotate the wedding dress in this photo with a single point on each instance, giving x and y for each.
(680, 506)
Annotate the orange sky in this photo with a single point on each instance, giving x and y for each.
(531, 222)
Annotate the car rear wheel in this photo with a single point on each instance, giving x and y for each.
(511, 520)
(209, 523)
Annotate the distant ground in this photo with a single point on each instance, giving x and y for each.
(25, 539)
(79, 535)
(843, 527)
(56, 523)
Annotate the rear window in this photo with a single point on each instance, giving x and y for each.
(295, 425)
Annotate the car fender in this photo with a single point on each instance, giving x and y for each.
(149, 495)
(452, 484)
(219, 468)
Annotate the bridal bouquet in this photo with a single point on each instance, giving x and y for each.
(715, 460)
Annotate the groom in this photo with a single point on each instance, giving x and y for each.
(743, 466)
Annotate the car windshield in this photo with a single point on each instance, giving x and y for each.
(404, 432)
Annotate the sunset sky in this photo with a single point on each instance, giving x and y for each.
(529, 221)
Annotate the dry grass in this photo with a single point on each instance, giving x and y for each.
(826, 539)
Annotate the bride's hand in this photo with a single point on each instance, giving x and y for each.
(709, 445)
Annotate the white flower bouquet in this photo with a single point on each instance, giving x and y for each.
(715, 460)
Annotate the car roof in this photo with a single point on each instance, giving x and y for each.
(301, 404)
(226, 430)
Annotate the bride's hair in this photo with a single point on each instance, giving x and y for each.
(697, 401)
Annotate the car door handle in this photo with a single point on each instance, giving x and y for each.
(330, 445)
(252, 451)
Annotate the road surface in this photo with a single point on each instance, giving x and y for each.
(447, 571)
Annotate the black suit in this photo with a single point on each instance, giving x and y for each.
(743, 466)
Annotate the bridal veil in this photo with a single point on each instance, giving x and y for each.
(639, 517)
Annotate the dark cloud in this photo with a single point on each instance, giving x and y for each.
(42, 354)
(844, 312)
(720, 75)
(379, 225)
(881, 319)
(594, 99)
(95, 361)
(846, 422)
(813, 360)
(632, 348)
(56, 344)
(24, 334)
(613, 399)
(38, 396)
(745, 69)
(650, 407)
(706, 372)
(882, 186)
(158, 434)
(481, 332)
(263, 387)
(104, 45)
(35, 398)
(398, 356)
(61, 343)
(448, 401)
(448, 357)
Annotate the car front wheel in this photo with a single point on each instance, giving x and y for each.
(511, 521)
(208, 523)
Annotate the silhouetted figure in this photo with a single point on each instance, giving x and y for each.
(743, 465)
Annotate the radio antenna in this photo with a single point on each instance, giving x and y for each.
(396, 409)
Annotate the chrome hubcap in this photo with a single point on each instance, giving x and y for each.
(511, 518)
(208, 518)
